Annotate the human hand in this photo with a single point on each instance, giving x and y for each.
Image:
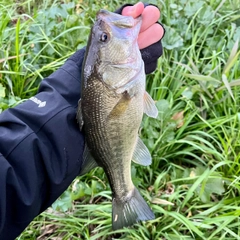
(149, 39)
(150, 32)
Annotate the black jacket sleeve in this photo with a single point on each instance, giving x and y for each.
(41, 146)
(40, 149)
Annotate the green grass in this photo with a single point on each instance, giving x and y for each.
(193, 184)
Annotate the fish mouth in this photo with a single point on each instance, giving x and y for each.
(118, 20)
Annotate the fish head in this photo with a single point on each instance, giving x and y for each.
(112, 52)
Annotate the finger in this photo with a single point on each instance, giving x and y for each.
(150, 15)
(151, 35)
(134, 11)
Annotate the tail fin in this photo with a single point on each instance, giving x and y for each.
(130, 210)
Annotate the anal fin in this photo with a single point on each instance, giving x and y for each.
(141, 154)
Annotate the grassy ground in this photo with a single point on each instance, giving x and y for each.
(193, 184)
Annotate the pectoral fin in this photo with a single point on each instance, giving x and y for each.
(141, 154)
(149, 106)
(121, 106)
(88, 161)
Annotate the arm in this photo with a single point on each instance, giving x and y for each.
(41, 145)
(40, 149)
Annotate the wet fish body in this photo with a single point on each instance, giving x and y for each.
(111, 109)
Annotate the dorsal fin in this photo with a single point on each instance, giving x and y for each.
(88, 161)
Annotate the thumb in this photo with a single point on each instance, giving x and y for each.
(134, 10)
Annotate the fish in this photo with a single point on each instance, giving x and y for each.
(110, 111)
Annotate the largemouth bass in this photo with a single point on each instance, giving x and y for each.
(111, 109)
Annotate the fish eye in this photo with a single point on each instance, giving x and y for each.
(103, 37)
